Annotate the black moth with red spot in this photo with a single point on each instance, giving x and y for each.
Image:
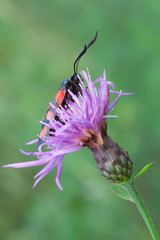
(62, 98)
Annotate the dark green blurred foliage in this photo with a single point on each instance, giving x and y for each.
(39, 41)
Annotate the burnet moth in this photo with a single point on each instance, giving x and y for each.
(62, 97)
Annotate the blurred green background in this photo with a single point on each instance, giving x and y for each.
(39, 41)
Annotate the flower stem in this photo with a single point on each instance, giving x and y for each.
(130, 186)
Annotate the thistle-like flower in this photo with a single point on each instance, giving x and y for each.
(82, 124)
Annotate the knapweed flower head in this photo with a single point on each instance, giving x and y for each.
(83, 123)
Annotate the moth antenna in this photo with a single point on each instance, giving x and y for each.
(75, 66)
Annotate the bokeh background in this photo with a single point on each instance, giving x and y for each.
(39, 41)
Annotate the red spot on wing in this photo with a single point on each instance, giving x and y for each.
(50, 114)
(60, 96)
(43, 132)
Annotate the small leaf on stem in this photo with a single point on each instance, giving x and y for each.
(122, 192)
(145, 169)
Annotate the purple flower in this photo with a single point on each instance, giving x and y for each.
(82, 124)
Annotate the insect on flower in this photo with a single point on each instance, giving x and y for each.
(75, 119)
(63, 96)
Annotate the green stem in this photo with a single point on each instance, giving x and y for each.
(130, 186)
